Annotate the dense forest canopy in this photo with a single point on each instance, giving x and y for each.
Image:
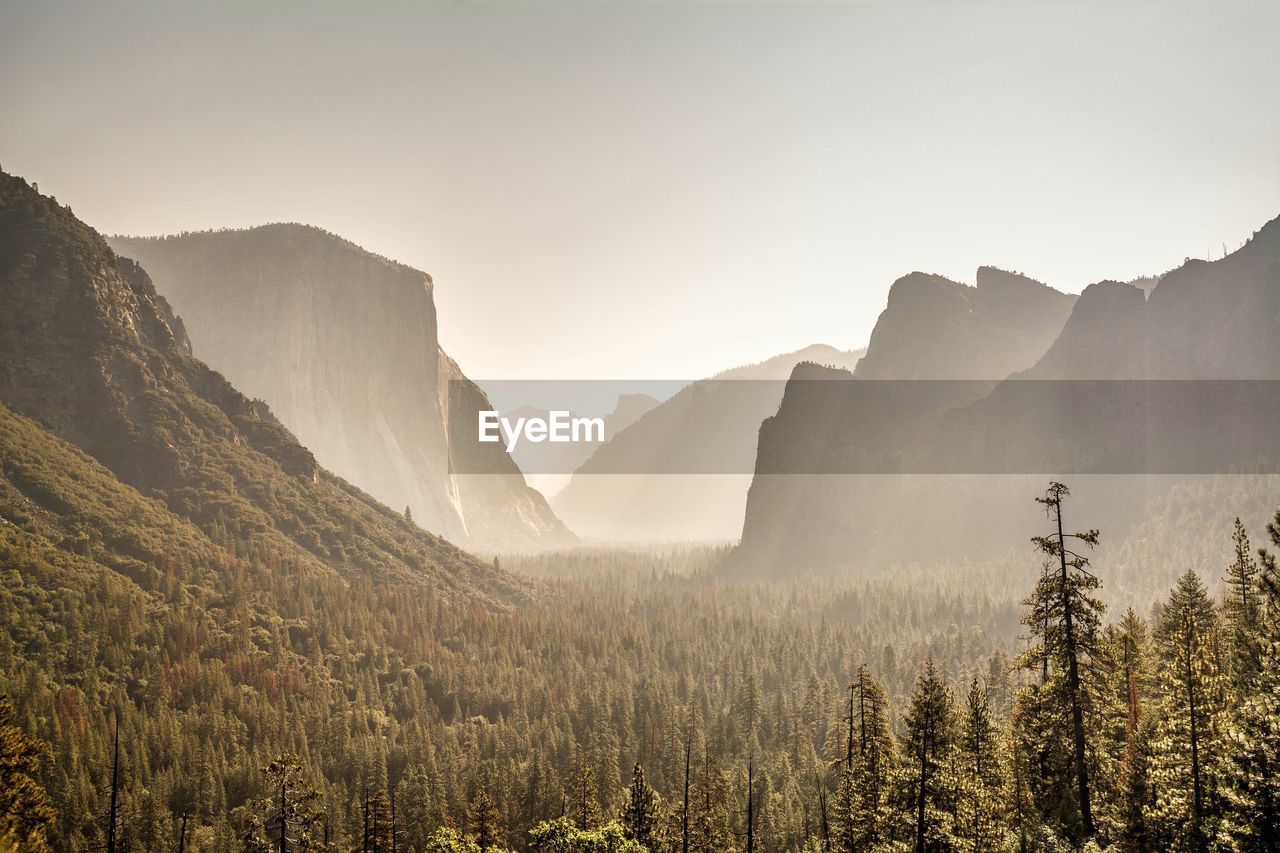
(906, 710)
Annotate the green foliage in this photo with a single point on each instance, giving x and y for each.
(642, 816)
(449, 840)
(1062, 713)
(289, 807)
(26, 812)
(1254, 792)
(562, 836)
(1190, 749)
(927, 783)
(980, 776)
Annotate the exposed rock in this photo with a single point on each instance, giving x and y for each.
(342, 344)
(935, 328)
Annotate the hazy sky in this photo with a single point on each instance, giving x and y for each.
(627, 190)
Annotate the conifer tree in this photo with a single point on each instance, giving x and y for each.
(379, 836)
(484, 820)
(1065, 617)
(642, 814)
(926, 787)
(709, 831)
(863, 808)
(1255, 766)
(1022, 811)
(288, 816)
(1241, 610)
(26, 812)
(980, 811)
(1130, 730)
(1190, 746)
(583, 806)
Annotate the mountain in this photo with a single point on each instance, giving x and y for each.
(935, 328)
(90, 352)
(343, 345)
(814, 504)
(681, 472)
(1203, 320)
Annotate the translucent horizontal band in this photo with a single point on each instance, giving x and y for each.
(831, 423)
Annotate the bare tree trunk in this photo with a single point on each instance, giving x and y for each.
(684, 820)
(115, 789)
(1073, 686)
(1197, 801)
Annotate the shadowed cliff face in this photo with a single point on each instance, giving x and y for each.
(90, 352)
(343, 345)
(1218, 320)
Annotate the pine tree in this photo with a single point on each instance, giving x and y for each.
(583, 806)
(1130, 731)
(1190, 745)
(378, 836)
(26, 812)
(1065, 616)
(642, 814)
(709, 831)
(1241, 610)
(288, 816)
(926, 787)
(980, 812)
(484, 820)
(1255, 766)
(862, 804)
(1022, 811)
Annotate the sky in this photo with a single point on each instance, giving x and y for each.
(662, 190)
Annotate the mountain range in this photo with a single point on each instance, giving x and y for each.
(815, 503)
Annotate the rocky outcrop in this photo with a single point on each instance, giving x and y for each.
(343, 345)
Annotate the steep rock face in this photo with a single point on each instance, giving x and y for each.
(502, 510)
(935, 328)
(343, 346)
(90, 352)
(1215, 320)
(704, 440)
(1105, 337)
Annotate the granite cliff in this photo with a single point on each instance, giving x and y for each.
(343, 345)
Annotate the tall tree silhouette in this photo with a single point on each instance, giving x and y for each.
(1065, 617)
(1190, 749)
(928, 790)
